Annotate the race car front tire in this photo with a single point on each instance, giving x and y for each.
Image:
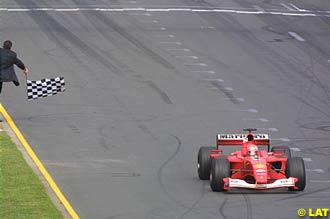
(204, 162)
(220, 169)
(295, 167)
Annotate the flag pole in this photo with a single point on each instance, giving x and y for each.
(26, 85)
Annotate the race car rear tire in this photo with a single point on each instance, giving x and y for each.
(220, 169)
(204, 162)
(286, 149)
(295, 167)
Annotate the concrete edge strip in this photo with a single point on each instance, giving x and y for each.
(38, 163)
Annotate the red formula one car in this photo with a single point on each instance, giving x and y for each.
(250, 167)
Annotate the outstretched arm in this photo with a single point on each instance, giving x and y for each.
(21, 65)
(26, 71)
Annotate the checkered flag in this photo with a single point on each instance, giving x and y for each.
(45, 87)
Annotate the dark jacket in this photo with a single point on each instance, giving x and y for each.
(8, 59)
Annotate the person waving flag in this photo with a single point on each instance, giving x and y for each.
(8, 59)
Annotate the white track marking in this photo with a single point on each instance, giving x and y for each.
(296, 36)
(182, 49)
(268, 129)
(240, 110)
(67, 9)
(295, 7)
(280, 139)
(315, 170)
(44, 9)
(197, 64)
(219, 80)
(259, 8)
(216, 79)
(185, 57)
(246, 110)
(258, 119)
(134, 14)
(165, 35)
(240, 99)
(231, 99)
(158, 9)
(207, 27)
(229, 88)
(209, 72)
(18, 9)
(320, 181)
(295, 149)
(287, 7)
(133, 11)
(148, 21)
(307, 159)
(176, 43)
(253, 110)
(155, 28)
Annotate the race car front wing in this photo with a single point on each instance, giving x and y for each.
(280, 183)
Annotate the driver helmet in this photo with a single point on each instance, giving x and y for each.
(252, 150)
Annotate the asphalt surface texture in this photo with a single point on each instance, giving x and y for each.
(146, 88)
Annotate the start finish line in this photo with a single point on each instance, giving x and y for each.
(302, 13)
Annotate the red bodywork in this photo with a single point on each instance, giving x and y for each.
(255, 172)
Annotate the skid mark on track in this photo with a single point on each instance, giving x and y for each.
(137, 43)
(178, 210)
(163, 187)
(305, 103)
(194, 204)
(248, 206)
(51, 27)
(160, 170)
(102, 139)
(162, 94)
(317, 146)
(221, 208)
(225, 91)
(230, 215)
(304, 194)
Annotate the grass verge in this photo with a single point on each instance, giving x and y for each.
(22, 194)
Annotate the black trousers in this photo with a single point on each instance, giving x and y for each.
(0, 86)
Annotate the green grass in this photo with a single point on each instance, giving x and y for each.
(22, 194)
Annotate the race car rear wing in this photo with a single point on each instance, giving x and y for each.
(238, 139)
